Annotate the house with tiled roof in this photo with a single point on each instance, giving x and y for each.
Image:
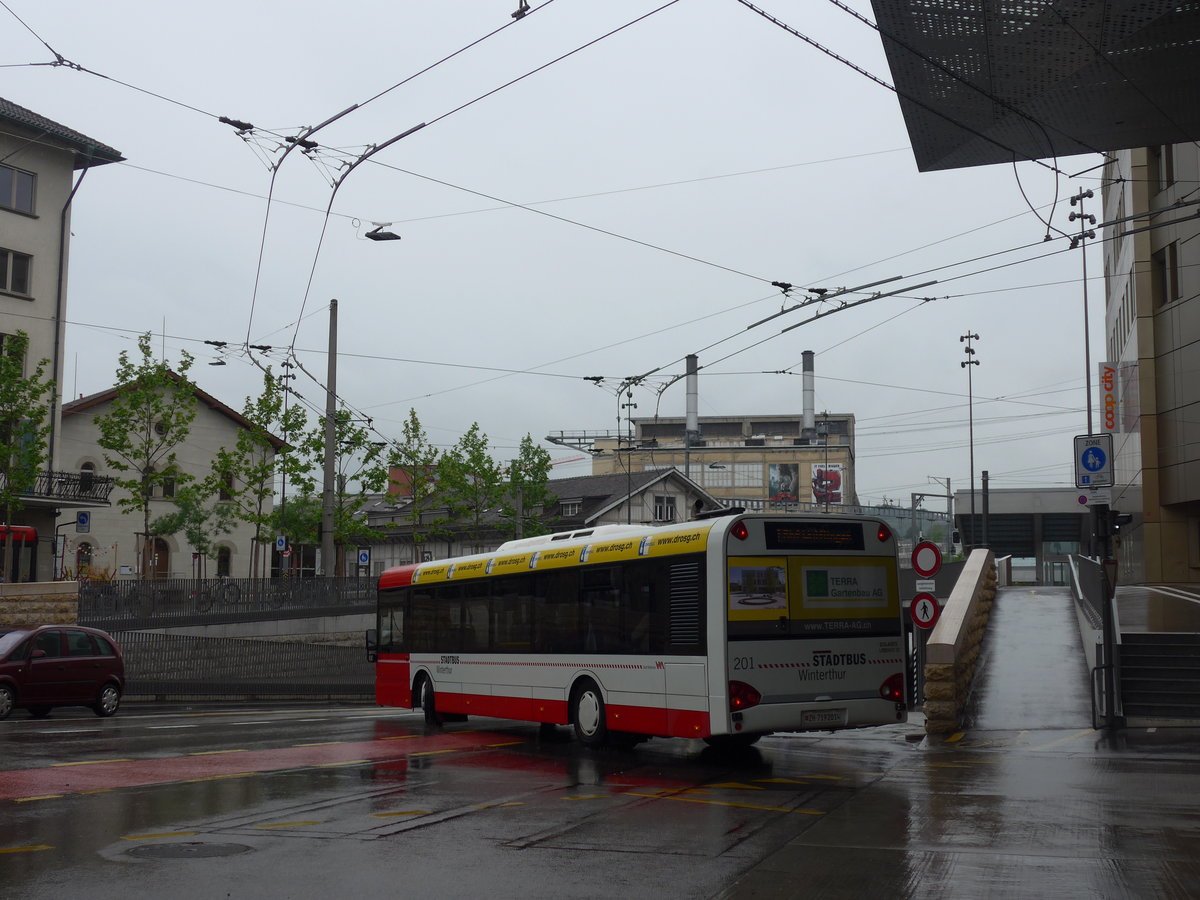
(42, 165)
(575, 503)
(111, 546)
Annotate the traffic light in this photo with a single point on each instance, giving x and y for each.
(1117, 520)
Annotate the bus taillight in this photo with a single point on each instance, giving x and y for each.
(740, 531)
(893, 688)
(742, 696)
(884, 534)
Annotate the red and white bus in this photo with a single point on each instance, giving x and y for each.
(725, 628)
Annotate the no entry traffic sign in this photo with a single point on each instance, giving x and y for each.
(926, 559)
(925, 610)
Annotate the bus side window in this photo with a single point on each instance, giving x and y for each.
(642, 613)
(511, 615)
(448, 620)
(475, 617)
(558, 625)
(422, 631)
(391, 623)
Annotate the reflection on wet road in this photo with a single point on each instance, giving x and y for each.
(1028, 801)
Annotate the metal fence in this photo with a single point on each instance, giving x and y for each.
(175, 667)
(120, 605)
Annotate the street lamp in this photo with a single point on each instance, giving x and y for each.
(966, 364)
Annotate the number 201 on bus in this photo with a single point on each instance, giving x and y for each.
(724, 629)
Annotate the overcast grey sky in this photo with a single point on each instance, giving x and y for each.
(605, 216)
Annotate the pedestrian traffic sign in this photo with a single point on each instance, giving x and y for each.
(925, 610)
(1093, 460)
(364, 556)
(83, 521)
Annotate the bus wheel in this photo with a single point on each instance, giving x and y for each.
(587, 714)
(428, 702)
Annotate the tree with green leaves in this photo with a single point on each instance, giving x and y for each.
(529, 494)
(360, 465)
(24, 428)
(470, 483)
(412, 465)
(148, 418)
(245, 473)
(200, 519)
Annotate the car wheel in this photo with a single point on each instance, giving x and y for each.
(39, 712)
(8, 699)
(109, 702)
(587, 714)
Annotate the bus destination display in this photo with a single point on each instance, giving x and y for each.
(814, 535)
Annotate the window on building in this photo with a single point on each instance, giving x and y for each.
(87, 477)
(748, 475)
(718, 475)
(16, 189)
(571, 508)
(1164, 275)
(664, 508)
(1162, 166)
(224, 562)
(226, 491)
(14, 272)
(83, 558)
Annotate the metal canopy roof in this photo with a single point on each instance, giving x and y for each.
(990, 81)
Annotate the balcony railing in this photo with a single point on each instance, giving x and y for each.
(79, 486)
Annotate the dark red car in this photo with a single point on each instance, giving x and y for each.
(59, 665)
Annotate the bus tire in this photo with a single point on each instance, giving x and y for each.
(428, 701)
(588, 714)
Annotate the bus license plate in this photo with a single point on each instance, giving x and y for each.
(814, 717)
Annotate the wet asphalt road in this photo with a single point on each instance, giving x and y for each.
(316, 802)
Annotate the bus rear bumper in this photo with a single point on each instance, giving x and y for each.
(824, 716)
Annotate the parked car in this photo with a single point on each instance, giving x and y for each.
(59, 665)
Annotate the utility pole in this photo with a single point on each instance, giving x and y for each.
(1081, 241)
(966, 364)
(328, 567)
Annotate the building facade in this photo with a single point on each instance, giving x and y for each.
(770, 457)
(42, 164)
(586, 501)
(111, 545)
(1150, 377)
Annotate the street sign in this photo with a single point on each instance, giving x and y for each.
(83, 522)
(1093, 460)
(281, 543)
(1096, 497)
(364, 556)
(925, 610)
(926, 559)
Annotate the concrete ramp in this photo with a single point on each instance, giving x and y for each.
(1032, 673)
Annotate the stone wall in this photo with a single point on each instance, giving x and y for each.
(953, 648)
(39, 603)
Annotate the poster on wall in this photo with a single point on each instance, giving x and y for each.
(827, 483)
(783, 481)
